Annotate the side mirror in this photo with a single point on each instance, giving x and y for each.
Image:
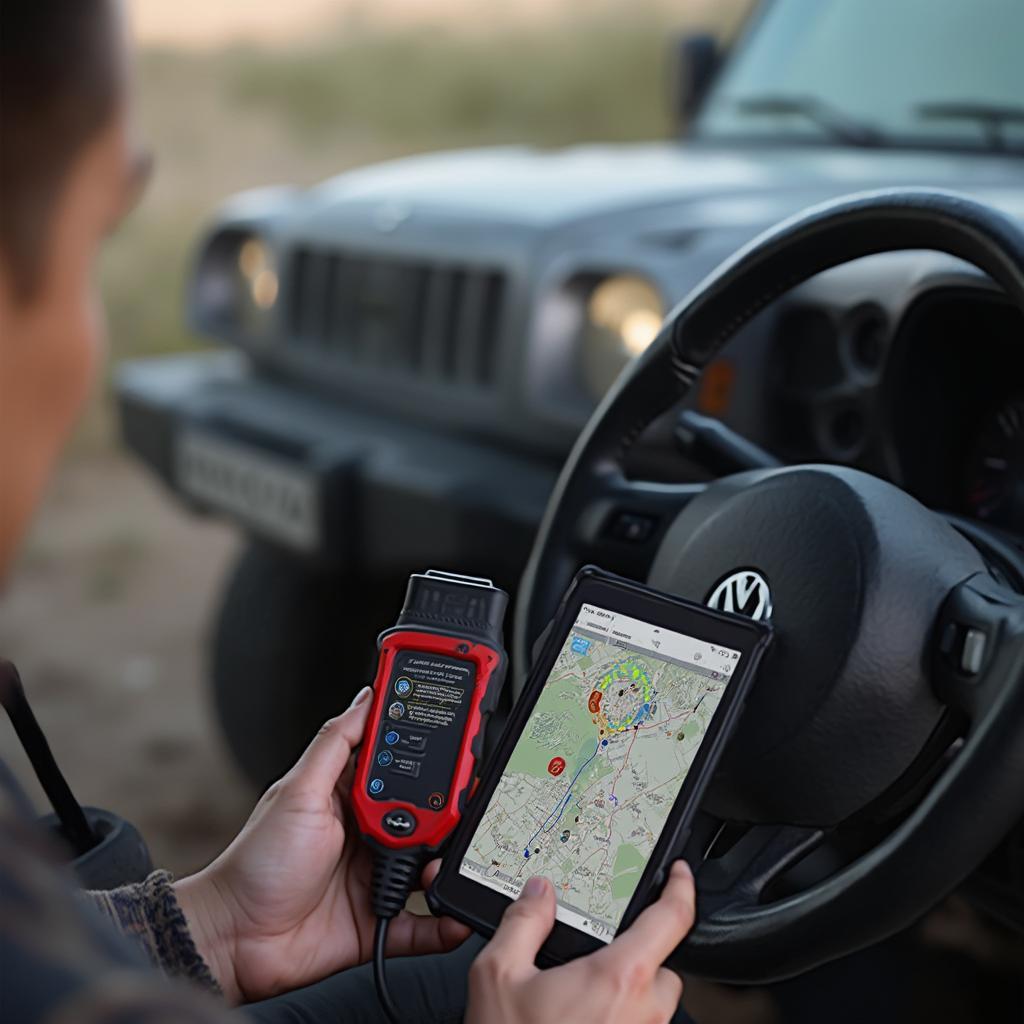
(695, 62)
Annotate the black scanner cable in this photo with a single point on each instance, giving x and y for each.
(394, 873)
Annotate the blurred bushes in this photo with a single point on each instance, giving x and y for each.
(591, 80)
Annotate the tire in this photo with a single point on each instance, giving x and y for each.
(290, 649)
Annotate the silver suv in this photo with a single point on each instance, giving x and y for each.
(409, 350)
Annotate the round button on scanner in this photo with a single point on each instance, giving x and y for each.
(376, 785)
(399, 823)
(397, 709)
(436, 801)
(402, 687)
(391, 738)
(384, 758)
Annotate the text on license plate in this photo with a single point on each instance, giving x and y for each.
(267, 494)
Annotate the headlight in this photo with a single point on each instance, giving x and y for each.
(236, 285)
(258, 273)
(623, 316)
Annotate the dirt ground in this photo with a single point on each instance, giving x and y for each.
(105, 616)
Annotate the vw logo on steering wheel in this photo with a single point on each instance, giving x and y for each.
(744, 592)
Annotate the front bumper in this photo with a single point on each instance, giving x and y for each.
(363, 492)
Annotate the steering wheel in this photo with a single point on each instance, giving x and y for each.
(881, 754)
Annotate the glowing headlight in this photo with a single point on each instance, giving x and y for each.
(623, 316)
(259, 278)
(236, 284)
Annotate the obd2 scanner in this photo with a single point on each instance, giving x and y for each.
(439, 674)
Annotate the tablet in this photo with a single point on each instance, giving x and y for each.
(603, 762)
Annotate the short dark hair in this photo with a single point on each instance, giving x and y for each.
(59, 86)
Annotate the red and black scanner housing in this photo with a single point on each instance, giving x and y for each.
(439, 674)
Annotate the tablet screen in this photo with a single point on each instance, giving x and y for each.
(591, 781)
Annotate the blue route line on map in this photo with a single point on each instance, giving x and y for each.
(562, 803)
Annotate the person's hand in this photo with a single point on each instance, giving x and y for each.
(623, 981)
(288, 902)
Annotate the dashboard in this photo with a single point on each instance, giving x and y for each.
(908, 366)
(956, 398)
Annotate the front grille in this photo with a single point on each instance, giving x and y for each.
(433, 320)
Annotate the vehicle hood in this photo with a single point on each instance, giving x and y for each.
(546, 188)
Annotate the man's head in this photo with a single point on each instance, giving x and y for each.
(67, 175)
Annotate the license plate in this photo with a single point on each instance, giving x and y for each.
(270, 495)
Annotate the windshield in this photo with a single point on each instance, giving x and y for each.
(923, 72)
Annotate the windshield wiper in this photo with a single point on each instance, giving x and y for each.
(992, 118)
(833, 122)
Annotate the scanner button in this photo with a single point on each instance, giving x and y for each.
(391, 737)
(406, 766)
(414, 742)
(384, 758)
(399, 823)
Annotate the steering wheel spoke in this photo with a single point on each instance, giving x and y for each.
(743, 872)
